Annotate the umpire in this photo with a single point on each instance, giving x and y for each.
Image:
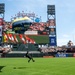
(30, 57)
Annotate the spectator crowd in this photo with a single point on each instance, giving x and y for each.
(41, 27)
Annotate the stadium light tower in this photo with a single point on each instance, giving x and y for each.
(50, 11)
(2, 9)
(51, 17)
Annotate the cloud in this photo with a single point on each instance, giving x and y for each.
(67, 5)
(66, 36)
(63, 39)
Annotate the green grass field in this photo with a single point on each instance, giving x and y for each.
(41, 66)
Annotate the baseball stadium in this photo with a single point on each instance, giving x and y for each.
(28, 46)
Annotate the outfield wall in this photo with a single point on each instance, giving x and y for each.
(38, 54)
(65, 55)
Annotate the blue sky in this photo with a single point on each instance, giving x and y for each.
(65, 15)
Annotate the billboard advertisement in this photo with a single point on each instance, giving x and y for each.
(52, 41)
(51, 22)
(61, 55)
(52, 31)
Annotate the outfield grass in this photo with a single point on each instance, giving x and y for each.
(41, 66)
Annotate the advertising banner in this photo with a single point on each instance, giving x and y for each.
(52, 41)
(52, 31)
(51, 22)
(61, 55)
(31, 32)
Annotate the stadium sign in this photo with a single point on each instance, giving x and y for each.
(61, 55)
(25, 14)
(52, 41)
(22, 14)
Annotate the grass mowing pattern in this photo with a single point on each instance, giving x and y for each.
(41, 66)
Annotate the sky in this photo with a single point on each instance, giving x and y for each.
(65, 15)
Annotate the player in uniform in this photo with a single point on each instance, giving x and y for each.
(30, 57)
